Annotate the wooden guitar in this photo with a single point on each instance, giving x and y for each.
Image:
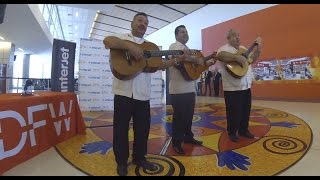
(191, 71)
(124, 66)
(237, 70)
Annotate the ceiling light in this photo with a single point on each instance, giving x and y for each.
(20, 49)
(2, 38)
(77, 14)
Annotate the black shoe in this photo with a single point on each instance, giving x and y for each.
(193, 141)
(247, 134)
(178, 149)
(233, 138)
(145, 165)
(122, 170)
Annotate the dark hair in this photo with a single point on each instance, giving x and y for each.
(140, 14)
(177, 29)
(28, 83)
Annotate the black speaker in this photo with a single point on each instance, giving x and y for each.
(2, 12)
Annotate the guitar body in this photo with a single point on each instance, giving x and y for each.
(124, 66)
(235, 69)
(191, 71)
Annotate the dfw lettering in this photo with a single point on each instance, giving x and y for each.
(29, 121)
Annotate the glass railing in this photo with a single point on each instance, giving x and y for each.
(16, 85)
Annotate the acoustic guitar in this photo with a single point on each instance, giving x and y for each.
(124, 67)
(237, 70)
(191, 71)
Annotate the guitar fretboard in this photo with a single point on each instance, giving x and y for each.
(246, 54)
(165, 53)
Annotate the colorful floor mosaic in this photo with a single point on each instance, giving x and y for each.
(281, 139)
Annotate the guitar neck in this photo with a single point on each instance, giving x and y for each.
(246, 54)
(209, 57)
(164, 53)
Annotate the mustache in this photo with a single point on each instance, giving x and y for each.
(142, 27)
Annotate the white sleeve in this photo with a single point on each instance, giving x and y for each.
(223, 48)
(175, 46)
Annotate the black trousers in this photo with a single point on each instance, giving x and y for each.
(207, 85)
(238, 107)
(183, 110)
(199, 89)
(216, 85)
(124, 109)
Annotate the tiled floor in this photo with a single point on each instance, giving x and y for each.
(50, 163)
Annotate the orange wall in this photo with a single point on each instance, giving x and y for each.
(287, 31)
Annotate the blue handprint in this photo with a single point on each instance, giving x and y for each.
(87, 119)
(232, 160)
(90, 148)
(168, 127)
(285, 124)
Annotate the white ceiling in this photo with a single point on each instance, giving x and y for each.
(78, 20)
(22, 29)
(100, 20)
(118, 19)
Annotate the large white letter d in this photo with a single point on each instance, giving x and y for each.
(14, 116)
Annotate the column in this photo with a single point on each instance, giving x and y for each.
(6, 62)
(25, 67)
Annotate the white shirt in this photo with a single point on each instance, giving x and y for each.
(140, 86)
(177, 84)
(230, 83)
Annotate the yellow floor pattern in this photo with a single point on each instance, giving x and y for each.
(281, 140)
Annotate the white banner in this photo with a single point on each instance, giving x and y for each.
(95, 78)
(157, 90)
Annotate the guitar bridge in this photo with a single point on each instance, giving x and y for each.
(128, 58)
